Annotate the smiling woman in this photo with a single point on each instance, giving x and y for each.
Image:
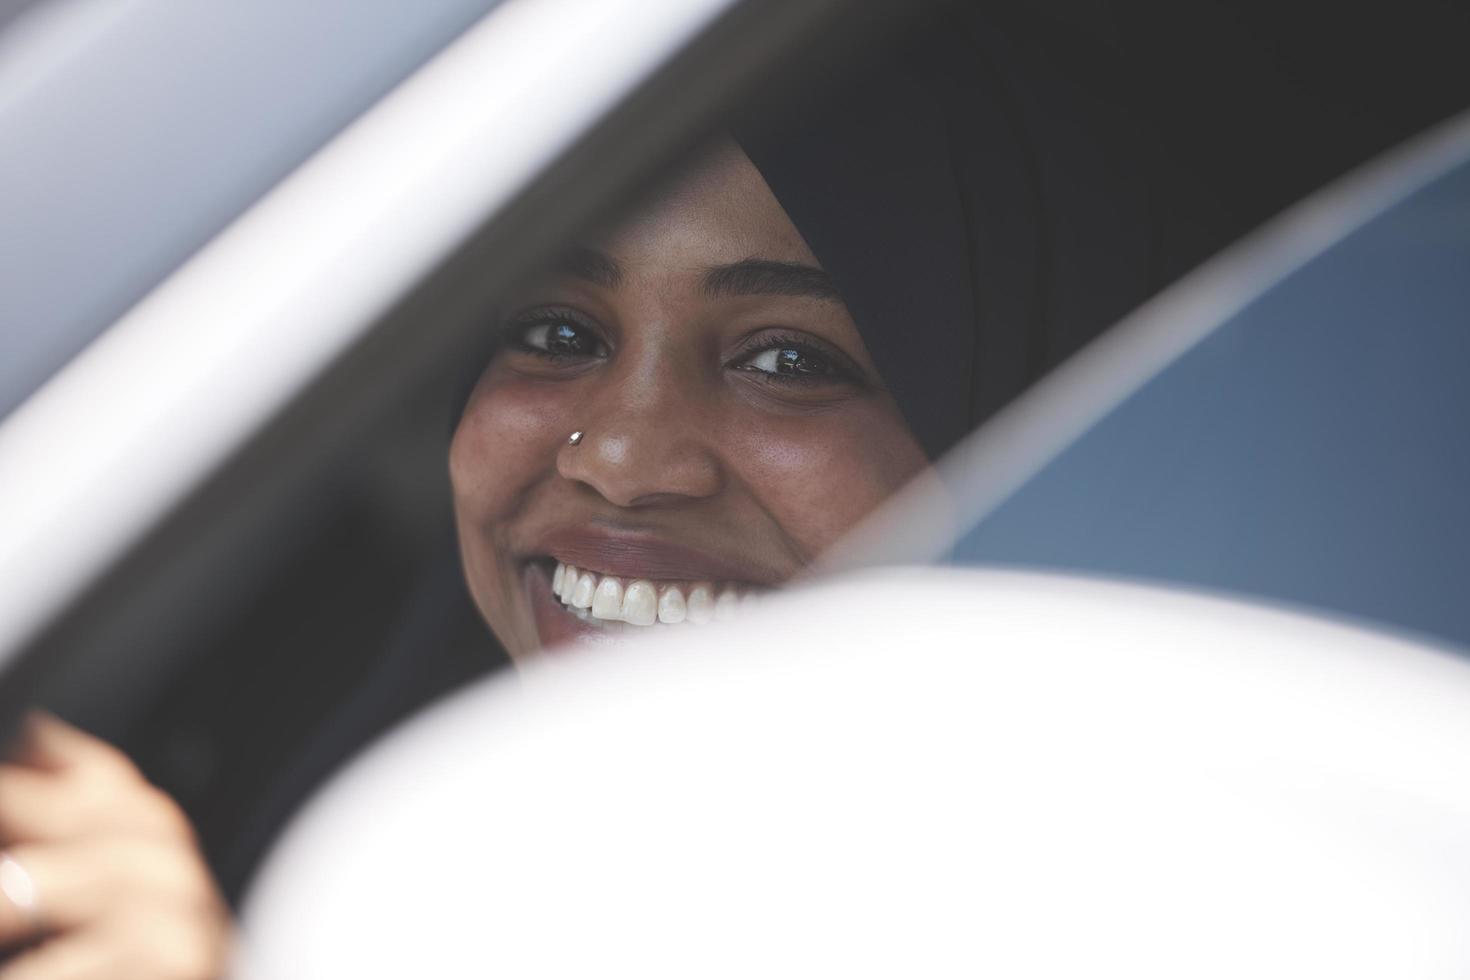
(734, 423)
(686, 407)
(695, 400)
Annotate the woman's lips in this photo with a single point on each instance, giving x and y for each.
(590, 585)
(563, 619)
(645, 556)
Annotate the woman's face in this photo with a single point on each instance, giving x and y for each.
(733, 423)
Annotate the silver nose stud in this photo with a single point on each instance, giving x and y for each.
(574, 438)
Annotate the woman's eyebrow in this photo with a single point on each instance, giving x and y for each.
(591, 265)
(748, 277)
(755, 277)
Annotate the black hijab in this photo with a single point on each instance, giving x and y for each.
(987, 199)
(985, 206)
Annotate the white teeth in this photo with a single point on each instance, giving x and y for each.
(701, 607)
(582, 593)
(748, 602)
(726, 606)
(671, 607)
(639, 604)
(607, 600)
(643, 603)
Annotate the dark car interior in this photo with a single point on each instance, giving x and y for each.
(309, 598)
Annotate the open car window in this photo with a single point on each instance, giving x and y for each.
(230, 470)
(1000, 764)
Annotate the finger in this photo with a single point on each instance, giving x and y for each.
(43, 805)
(80, 884)
(147, 946)
(47, 742)
(36, 805)
(19, 911)
(74, 958)
(32, 804)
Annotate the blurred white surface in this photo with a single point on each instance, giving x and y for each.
(913, 773)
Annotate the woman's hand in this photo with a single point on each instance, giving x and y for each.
(121, 890)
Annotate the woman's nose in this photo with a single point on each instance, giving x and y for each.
(643, 444)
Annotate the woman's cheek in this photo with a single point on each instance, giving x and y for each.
(819, 477)
(504, 446)
(506, 440)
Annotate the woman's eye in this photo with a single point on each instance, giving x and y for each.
(791, 362)
(560, 338)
